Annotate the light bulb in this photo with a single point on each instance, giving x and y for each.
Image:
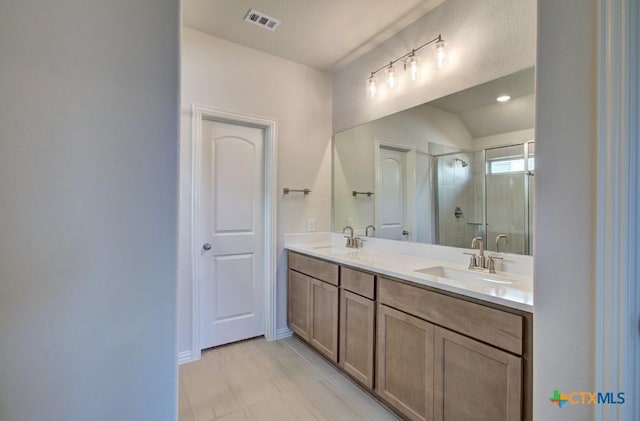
(391, 77)
(441, 55)
(371, 87)
(412, 67)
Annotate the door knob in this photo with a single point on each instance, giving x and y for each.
(206, 246)
(405, 232)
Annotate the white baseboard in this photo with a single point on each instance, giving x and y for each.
(282, 333)
(184, 357)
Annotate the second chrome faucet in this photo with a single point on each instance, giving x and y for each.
(355, 241)
(480, 261)
(366, 230)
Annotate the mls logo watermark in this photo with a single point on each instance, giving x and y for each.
(587, 398)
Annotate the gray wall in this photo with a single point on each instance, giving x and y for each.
(88, 180)
(565, 234)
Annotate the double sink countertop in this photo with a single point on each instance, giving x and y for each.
(507, 289)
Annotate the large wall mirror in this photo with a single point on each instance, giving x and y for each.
(444, 172)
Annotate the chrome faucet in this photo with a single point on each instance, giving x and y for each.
(481, 262)
(504, 237)
(351, 242)
(366, 230)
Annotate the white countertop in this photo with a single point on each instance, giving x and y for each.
(518, 294)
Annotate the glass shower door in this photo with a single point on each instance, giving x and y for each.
(458, 207)
(507, 208)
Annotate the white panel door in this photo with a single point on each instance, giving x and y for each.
(231, 229)
(391, 192)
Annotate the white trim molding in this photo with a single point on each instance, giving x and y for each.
(201, 113)
(618, 292)
(184, 357)
(283, 332)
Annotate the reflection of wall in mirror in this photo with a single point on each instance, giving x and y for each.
(469, 120)
(354, 167)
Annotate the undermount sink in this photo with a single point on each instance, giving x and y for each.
(464, 275)
(335, 249)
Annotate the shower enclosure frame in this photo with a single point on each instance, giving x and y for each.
(527, 172)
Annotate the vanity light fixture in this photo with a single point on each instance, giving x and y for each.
(410, 61)
(411, 66)
(371, 87)
(441, 55)
(391, 76)
(503, 98)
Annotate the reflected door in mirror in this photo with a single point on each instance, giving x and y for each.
(391, 194)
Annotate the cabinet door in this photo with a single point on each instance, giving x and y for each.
(474, 381)
(356, 336)
(404, 375)
(324, 318)
(298, 303)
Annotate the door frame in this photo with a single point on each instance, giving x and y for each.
(409, 177)
(199, 114)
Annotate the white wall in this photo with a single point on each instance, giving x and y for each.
(226, 76)
(88, 193)
(565, 234)
(502, 139)
(485, 39)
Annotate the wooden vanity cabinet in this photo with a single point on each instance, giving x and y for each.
(474, 381)
(312, 302)
(404, 374)
(422, 354)
(299, 303)
(429, 354)
(323, 334)
(357, 325)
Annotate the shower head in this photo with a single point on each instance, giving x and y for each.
(462, 162)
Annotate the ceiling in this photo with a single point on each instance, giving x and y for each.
(326, 34)
(484, 116)
(516, 85)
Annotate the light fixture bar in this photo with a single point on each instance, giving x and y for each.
(391, 63)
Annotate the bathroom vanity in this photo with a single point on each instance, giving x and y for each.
(430, 347)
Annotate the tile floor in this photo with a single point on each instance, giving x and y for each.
(260, 380)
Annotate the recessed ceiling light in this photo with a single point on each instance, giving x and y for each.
(503, 98)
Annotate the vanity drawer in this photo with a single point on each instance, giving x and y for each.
(319, 269)
(496, 327)
(358, 282)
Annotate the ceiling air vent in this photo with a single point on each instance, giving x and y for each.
(262, 20)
